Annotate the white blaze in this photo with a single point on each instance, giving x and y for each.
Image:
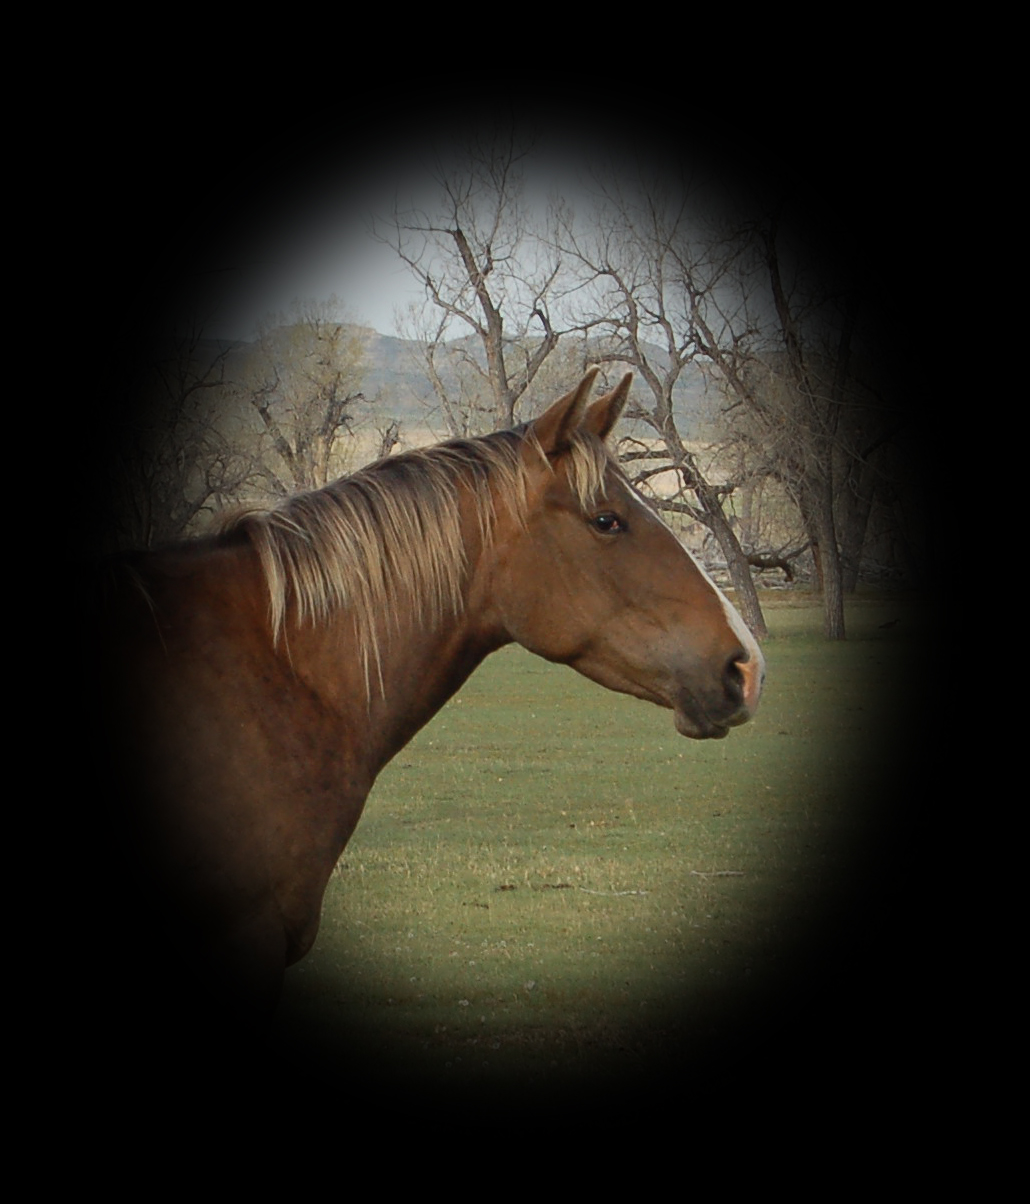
(754, 670)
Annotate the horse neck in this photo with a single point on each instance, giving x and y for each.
(422, 659)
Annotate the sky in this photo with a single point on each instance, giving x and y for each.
(301, 232)
(309, 239)
(314, 261)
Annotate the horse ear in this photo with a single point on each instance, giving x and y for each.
(555, 425)
(602, 416)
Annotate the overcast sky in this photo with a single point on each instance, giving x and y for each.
(298, 228)
(310, 239)
(317, 262)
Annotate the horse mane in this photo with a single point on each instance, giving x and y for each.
(392, 530)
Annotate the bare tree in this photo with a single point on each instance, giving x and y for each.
(631, 254)
(388, 437)
(765, 516)
(302, 379)
(179, 455)
(793, 394)
(489, 274)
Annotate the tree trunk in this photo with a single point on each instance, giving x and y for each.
(819, 506)
(714, 518)
(857, 504)
(736, 561)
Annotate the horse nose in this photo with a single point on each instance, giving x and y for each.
(733, 676)
(743, 679)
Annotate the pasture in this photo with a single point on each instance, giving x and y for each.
(550, 882)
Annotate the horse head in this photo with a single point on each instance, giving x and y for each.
(591, 577)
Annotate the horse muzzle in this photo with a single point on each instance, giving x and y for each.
(703, 715)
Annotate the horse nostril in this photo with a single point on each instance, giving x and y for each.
(734, 676)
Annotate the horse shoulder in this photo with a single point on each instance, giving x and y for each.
(248, 770)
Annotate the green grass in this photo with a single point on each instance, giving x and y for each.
(549, 878)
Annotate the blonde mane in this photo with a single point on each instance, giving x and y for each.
(392, 532)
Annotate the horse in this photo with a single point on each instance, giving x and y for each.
(256, 681)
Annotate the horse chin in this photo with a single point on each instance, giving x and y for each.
(699, 729)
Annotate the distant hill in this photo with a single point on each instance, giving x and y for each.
(394, 369)
(394, 373)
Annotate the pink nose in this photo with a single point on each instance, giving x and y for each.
(753, 671)
(745, 673)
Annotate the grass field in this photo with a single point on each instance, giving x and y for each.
(549, 880)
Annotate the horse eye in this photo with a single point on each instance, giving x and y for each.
(608, 523)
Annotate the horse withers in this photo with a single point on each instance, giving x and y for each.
(259, 680)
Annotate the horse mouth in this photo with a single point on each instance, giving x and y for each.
(699, 729)
(696, 721)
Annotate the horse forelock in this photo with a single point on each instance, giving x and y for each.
(394, 529)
